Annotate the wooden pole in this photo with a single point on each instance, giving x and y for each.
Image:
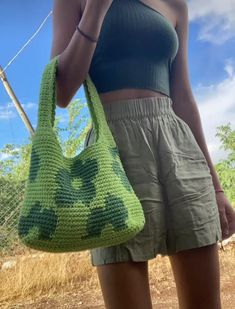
(16, 102)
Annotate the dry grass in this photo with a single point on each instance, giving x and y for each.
(45, 273)
(37, 274)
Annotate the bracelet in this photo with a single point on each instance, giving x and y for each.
(85, 35)
(219, 190)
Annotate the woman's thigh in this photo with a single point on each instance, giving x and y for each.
(125, 285)
(197, 277)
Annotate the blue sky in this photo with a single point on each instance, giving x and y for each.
(211, 60)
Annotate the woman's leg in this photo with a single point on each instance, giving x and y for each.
(197, 277)
(125, 285)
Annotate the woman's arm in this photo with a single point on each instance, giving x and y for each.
(184, 104)
(74, 50)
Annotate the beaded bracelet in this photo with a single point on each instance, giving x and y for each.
(219, 190)
(85, 35)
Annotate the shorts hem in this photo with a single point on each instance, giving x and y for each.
(144, 258)
(136, 258)
(197, 246)
(208, 235)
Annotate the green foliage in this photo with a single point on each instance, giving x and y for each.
(226, 168)
(76, 138)
(14, 169)
(16, 166)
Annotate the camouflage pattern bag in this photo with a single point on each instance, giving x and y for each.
(79, 203)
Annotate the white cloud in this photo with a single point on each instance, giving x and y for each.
(8, 110)
(6, 114)
(29, 105)
(6, 156)
(217, 19)
(216, 104)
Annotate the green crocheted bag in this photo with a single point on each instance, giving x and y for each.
(79, 203)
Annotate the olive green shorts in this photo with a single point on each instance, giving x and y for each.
(169, 174)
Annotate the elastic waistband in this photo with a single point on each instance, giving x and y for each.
(137, 107)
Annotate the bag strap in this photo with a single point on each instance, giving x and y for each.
(48, 98)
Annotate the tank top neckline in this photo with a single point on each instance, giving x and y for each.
(151, 8)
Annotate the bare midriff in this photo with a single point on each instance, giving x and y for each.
(123, 94)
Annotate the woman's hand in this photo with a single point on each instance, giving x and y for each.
(227, 215)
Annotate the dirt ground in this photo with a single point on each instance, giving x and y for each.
(163, 290)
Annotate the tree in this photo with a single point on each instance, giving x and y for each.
(226, 168)
(16, 165)
(14, 169)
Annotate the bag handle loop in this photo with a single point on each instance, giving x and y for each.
(48, 98)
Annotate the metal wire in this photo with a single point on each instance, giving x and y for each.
(30, 39)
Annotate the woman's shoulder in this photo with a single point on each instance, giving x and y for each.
(178, 4)
(178, 7)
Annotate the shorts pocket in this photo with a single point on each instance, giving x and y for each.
(187, 143)
(180, 119)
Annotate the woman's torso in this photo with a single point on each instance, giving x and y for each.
(126, 93)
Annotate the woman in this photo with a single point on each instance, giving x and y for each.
(136, 54)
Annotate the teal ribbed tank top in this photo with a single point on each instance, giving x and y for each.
(136, 47)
